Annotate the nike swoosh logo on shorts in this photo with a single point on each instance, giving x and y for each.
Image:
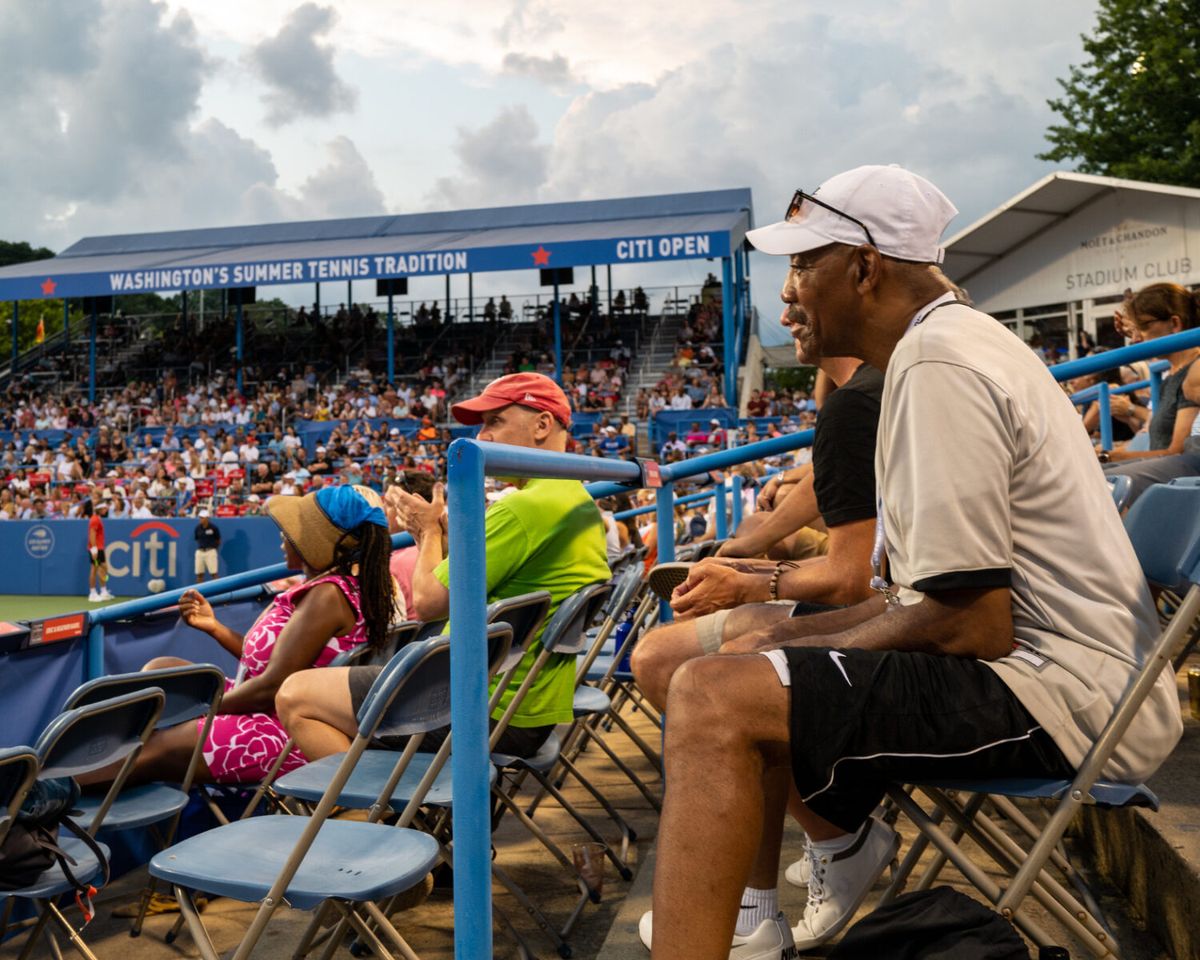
(837, 657)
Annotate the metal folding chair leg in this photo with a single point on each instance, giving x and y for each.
(1045, 889)
(974, 873)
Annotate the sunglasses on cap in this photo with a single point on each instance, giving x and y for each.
(798, 198)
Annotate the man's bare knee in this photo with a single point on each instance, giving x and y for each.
(658, 654)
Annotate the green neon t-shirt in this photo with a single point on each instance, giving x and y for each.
(548, 535)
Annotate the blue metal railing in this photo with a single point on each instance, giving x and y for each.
(237, 586)
(469, 462)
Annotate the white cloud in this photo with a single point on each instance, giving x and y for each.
(499, 164)
(299, 71)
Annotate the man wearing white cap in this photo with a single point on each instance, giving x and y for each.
(1002, 631)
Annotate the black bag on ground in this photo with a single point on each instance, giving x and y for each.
(937, 924)
(31, 845)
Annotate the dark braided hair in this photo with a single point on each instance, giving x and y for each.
(376, 588)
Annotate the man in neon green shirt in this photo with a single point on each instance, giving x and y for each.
(545, 535)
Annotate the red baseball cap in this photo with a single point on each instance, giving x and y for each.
(533, 390)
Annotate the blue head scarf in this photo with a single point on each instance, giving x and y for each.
(347, 509)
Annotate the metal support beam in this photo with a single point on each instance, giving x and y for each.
(391, 341)
(471, 297)
(241, 345)
(728, 333)
(447, 313)
(608, 268)
(92, 355)
(558, 359)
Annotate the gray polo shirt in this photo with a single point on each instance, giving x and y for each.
(989, 479)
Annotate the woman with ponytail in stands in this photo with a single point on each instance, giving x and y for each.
(1160, 310)
(338, 537)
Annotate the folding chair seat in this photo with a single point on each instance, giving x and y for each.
(82, 740)
(310, 860)
(1164, 527)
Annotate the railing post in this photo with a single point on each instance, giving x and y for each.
(722, 523)
(1156, 379)
(664, 505)
(94, 652)
(737, 501)
(1102, 397)
(728, 333)
(468, 704)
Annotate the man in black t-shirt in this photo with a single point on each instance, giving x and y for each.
(208, 540)
(724, 598)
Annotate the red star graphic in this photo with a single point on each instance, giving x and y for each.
(541, 256)
(48, 287)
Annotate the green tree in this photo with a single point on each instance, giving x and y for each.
(22, 252)
(1133, 109)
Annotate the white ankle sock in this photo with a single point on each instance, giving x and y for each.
(827, 848)
(757, 906)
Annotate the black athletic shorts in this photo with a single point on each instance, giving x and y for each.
(98, 559)
(863, 719)
(518, 741)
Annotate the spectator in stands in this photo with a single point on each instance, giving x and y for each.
(724, 598)
(1004, 613)
(1158, 311)
(339, 539)
(547, 535)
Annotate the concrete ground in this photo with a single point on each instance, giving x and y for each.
(609, 930)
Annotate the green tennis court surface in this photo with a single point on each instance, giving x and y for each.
(25, 607)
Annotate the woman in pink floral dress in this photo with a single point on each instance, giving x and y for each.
(339, 538)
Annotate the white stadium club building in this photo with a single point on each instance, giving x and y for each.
(1055, 258)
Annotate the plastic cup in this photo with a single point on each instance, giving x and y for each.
(589, 862)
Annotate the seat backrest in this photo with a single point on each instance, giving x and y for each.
(500, 637)
(18, 770)
(1163, 524)
(625, 587)
(1121, 486)
(565, 633)
(95, 735)
(428, 629)
(190, 690)
(1186, 482)
(411, 694)
(706, 548)
(525, 613)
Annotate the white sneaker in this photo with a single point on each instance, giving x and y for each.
(838, 884)
(104, 594)
(93, 596)
(771, 940)
(799, 872)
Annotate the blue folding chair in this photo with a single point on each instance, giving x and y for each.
(83, 740)
(191, 692)
(308, 860)
(18, 770)
(1164, 527)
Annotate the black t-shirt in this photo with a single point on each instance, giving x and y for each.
(844, 449)
(207, 538)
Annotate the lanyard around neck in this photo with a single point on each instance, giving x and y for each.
(878, 582)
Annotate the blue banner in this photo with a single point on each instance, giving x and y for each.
(258, 273)
(50, 557)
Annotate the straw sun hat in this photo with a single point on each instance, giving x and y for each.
(322, 526)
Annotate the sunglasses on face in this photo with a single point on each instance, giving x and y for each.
(798, 199)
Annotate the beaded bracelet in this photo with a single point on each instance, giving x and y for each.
(773, 589)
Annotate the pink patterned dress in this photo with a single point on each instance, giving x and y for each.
(241, 747)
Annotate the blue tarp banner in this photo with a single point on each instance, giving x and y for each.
(681, 420)
(35, 683)
(51, 558)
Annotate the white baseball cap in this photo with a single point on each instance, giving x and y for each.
(903, 213)
(204, 513)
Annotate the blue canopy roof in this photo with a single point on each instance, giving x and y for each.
(583, 233)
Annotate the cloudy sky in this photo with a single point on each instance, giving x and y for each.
(130, 115)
